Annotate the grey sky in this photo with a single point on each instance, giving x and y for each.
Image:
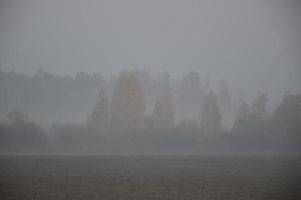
(253, 44)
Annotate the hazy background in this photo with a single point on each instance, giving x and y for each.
(150, 77)
(229, 63)
(251, 44)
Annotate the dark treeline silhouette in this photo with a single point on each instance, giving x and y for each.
(49, 98)
(19, 134)
(139, 113)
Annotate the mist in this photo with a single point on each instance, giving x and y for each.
(216, 69)
(251, 44)
(140, 99)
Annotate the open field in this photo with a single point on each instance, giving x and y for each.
(150, 177)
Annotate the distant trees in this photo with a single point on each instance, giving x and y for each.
(127, 104)
(157, 118)
(168, 114)
(258, 107)
(119, 103)
(190, 96)
(98, 120)
(227, 105)
(19, 134)
(143, 108)
(285, 122)
(72, 139)
(211, 118)
(17, 117)
(163, 114)
(50, 98)
(250, 129)
(166, 101)
(242, 117)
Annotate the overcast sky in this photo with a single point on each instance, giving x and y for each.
(252, 44)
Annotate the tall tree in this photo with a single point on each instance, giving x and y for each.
(249, 129)
(18, 133)
(258, 107)
(226, 105)
(189, 96)
(157, 118)
(118, 103)
(285, 122)
(98, 120)
(136, 102)
(166, 101)
(127, 104)
(165, 98)
(211, 117)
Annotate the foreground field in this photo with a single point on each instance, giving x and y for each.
(150, 177)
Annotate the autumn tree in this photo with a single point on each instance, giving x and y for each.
(127, 104)
(118, 110)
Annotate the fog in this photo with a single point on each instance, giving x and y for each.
(150, 77)
(251, 44)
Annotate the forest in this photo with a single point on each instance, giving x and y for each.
(137, 112)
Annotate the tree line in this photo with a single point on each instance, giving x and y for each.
(137, 113)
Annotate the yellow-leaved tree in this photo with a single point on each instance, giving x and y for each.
(127, 104)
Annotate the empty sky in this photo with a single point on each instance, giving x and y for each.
(253, 44)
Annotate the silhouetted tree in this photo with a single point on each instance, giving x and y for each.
(50, 98)
(258, 107)
(98, 121)
(226, 105)
(211, 117)
(249, 129)
(285, 123)
(162, 117)
(189, 97)
(19, 134)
